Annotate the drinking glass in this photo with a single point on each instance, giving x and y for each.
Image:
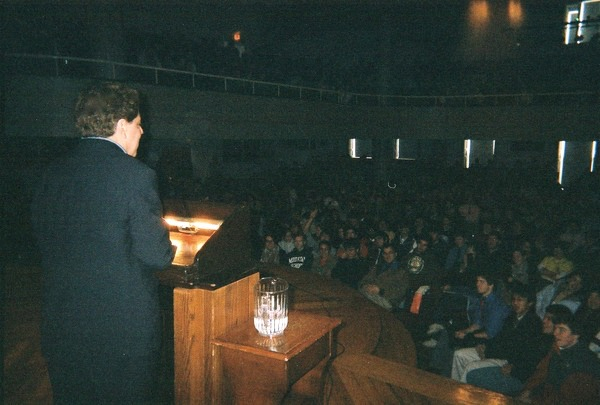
(271, 306)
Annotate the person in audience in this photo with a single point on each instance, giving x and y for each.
(325, 261)
(511, 380)
(301, 257)
(438, 246)
(492, 257)
(515, 346)
(286, 244)
(555, 267)
(594, 345)
(528, 256)
(351, 233)
(404, 241)
(271, 252)
(447, 229)
(312, 230)
(587, 255)
(588, 314)
(573, 237)
(519, 269)
(376, 249)
(384, 227)
(454, 258)
(423, 271)
(572, 375)
(387, 282)
(419, 229)
(486, 312)
(514, 235)
(351, 268)
(567, 292)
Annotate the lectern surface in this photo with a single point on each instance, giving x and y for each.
(257, 369)
(303, 330)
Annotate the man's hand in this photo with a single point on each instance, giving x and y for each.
(481, 335)
(460, 334)
(371, 289)
(506, 369)
(480, 349)
(525, 396)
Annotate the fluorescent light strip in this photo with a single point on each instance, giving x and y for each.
(562, 147)
(580, 25)
(467, 153)
(571, 17)
(593, 157)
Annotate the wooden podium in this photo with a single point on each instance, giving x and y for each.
(212, 278)
(200, 316)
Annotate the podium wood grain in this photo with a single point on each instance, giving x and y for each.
(199, 316)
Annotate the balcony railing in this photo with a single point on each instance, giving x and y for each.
(59, 66)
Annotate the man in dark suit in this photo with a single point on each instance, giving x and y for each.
(98, 221)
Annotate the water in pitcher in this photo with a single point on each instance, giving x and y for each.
(271, 307)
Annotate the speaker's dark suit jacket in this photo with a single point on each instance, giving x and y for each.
(98, 220)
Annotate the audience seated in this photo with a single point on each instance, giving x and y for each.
(513, 353)
(519, 269)
(588, 314)
(387, 282)
(556, 266)
(286, 244)
(404, 240)
(457, 263)
(572, 374)
(422, 267)
(350, 234)
(509, 379)
(325, 260)
(350, 268)
(301, 257)
(492, 257)
(376, 248)
(271, 252)
(486, 224)
(486, 311)
(438, 246)
(567, 292)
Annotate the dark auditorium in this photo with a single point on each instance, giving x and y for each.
(300, 202)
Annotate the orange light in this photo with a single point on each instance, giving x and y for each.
(237, 36)
(193, 225)
(479, 13)
(515, 13)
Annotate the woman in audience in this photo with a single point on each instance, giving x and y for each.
(271, 252)
(287, 242)
(325, 261)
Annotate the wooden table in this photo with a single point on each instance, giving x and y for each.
(260, 370)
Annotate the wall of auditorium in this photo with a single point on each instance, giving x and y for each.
(42, 107)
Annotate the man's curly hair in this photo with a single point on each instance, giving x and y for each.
(100, 107)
